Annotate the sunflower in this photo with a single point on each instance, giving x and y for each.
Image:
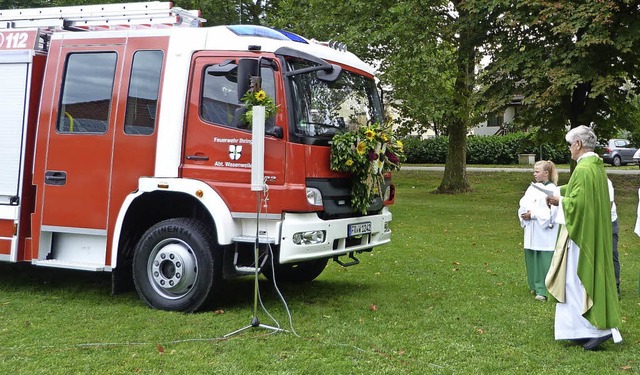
(361, 148)
(369, 133)
(260, 96)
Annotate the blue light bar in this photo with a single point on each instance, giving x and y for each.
(293, 37)
(257, 31)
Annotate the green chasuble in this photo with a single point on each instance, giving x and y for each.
(587, 210)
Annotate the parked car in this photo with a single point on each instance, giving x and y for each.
(636, 157)
(618, 152)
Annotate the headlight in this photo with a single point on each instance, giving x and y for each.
(309, 238)
(314, 196)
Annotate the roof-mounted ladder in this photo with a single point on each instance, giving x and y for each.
(100, 17)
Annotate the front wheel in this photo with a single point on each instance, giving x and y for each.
(299, 272)
(174, 267)
(617, 161)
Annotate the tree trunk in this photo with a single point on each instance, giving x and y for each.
(455, 171)
(578, 114)
(455, 174)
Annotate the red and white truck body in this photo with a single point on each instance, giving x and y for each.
(121, 151)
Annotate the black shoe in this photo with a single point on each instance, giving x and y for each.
(580, 342)
(595, 342)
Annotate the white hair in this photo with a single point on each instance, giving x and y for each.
(585, 135)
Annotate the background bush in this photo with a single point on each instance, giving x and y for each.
(494, 149)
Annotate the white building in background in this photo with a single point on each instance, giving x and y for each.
(496, 121)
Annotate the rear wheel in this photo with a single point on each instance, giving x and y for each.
(298, 272)
(174, 266)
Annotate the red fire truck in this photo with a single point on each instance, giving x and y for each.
(121, 150)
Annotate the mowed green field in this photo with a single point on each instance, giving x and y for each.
(447, 296)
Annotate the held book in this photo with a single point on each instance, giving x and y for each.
(542, 188)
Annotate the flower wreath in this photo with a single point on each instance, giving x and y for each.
(257, 97)
(367, 153)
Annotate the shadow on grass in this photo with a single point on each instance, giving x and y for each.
(239, 292)
(26, 278)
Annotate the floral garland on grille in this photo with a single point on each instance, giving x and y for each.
(367, 153)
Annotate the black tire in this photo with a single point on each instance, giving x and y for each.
(617, 161)
(176, 267)
(298, 272)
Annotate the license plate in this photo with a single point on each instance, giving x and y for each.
(359, 228)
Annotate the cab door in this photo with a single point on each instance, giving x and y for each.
(217, 146)
(78, 163)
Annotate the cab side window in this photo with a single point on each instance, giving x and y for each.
(219, 102)
(86, 93)
(142, 100)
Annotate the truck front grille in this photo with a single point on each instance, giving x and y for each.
(336, 198)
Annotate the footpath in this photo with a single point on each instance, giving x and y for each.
(518, 169)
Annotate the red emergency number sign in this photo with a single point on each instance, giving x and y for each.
(22, 39)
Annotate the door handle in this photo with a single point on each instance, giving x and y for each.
(198, 157)
(56, 178)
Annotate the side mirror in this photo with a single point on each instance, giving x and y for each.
(246, 69)
(329, 75)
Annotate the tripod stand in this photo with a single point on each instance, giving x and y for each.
(255, 322)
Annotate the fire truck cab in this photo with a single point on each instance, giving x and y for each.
(123, 150)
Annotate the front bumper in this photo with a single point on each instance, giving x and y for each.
(337, 242)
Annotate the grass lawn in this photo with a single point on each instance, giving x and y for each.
(448, 295)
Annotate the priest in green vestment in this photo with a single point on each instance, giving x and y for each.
(581, 277)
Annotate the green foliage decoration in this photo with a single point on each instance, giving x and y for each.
(367, 153)
(258, 98)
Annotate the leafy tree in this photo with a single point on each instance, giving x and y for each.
(463, 31)
(425, 50)
(420, 68)
(14, 4)
(226, 12)
(575, 62)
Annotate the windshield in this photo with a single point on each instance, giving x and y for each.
(323, 109)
